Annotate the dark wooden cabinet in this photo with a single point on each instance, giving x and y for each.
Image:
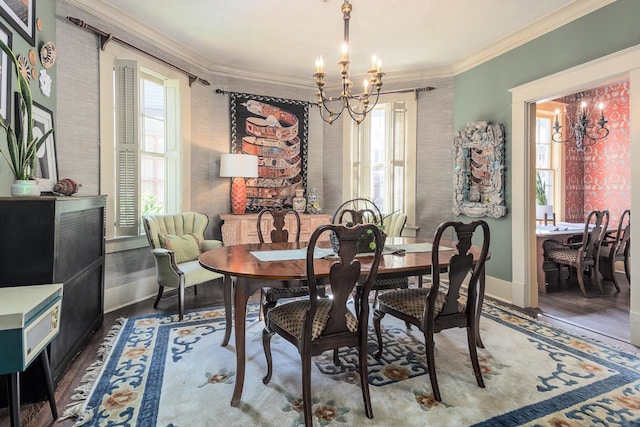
(57, 240)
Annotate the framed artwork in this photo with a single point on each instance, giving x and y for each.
(21, 14)
(479, 170)
(47, 163)
(275, 130)
(5, 74)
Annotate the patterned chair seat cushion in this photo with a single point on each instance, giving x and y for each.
(411, 301)
(290, 317)
(562, 254)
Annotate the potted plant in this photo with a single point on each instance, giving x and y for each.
(544, 211)
(22, 146)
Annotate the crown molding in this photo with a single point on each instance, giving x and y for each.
(140, 30)
(548, 23)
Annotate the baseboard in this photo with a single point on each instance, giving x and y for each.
(126, 294)
(500, 290)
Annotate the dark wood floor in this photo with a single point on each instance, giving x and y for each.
(602, 317)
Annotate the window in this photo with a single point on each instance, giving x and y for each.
(382, 156)
(549, 159)
(141, 139)
(544, 172)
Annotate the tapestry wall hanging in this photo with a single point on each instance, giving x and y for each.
(275, 130)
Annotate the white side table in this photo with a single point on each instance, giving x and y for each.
(29, 320)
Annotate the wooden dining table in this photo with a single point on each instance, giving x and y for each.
(244, 274)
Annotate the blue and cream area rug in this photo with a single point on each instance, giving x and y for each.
(157, 371)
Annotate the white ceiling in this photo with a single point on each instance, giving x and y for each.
(278, 40)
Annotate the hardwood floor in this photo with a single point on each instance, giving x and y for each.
(601, 317)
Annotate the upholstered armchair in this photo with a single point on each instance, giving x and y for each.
(176, 241)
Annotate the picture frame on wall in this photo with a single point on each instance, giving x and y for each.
(5, 75)
(47, 164)
(21, 14)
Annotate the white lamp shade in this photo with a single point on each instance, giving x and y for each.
(238, 165)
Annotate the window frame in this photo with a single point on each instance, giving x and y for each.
(556, 156)
(352, 134)
(108, 184)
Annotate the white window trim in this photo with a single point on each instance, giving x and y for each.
(107, 161)
(349, 128)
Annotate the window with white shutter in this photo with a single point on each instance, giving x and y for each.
(143, 105)
(383, 153)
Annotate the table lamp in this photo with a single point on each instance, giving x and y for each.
(238, 166)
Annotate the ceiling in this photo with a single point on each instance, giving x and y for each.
(278, 40)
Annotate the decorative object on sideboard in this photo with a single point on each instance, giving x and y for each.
(299, 201)
(313, 202)
(478, 170)
(238, 166)
(582, 132)
(22, 143)
(358, 106)
(66, 187)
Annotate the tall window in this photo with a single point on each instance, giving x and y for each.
(382, 153)
(549, 160)
(141, 141)
(544, 171)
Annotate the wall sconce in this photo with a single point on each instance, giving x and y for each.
(238, 166)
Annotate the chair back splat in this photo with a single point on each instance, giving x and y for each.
(269, 296)
(318, 324)
(444, 305)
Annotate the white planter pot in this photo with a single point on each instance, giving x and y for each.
(25, 188)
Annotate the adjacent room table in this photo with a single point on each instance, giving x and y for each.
(404, 257)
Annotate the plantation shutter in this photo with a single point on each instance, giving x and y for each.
(399, 123)
(126, 134)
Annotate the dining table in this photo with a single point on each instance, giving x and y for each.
(249, 267)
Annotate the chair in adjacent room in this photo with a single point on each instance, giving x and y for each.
(317, 324)
(616, 247)
(279, 231)
(583, 254)
(176, 242)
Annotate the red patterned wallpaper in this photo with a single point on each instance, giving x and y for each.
(600, 176)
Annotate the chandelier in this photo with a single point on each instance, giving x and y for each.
(358, 106)
(583, 133)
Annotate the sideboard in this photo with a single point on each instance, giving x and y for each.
(52, 239)
(240, 229)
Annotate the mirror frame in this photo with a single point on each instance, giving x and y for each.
(479, 160)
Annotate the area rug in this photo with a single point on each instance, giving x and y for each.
(163, 372)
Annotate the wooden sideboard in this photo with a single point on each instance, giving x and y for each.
(240, 229)
(52, 239)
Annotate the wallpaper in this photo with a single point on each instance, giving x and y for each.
(600, 176)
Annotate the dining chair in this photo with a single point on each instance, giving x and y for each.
(279, 231)
(365, 211)
(582, 254)
(444, 304)
(616, 247)
(176, 242)
(316, 325)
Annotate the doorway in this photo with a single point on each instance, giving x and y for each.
(598, 72)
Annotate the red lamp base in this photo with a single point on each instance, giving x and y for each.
(238, 196)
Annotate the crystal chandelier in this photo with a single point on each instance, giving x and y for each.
(583, 133)
(358, 106)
